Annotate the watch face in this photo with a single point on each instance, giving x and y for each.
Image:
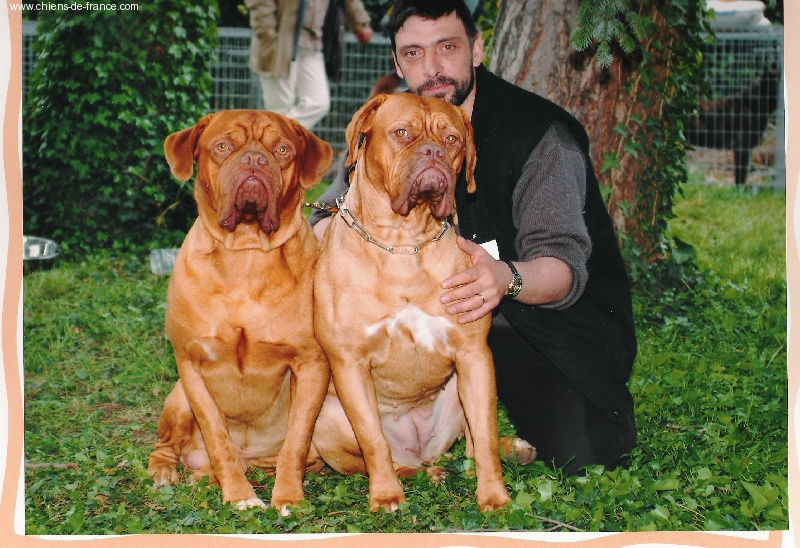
(515, 286)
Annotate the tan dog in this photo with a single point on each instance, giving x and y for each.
(252, 376)
(405, 372)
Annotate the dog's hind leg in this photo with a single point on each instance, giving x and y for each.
(335, 441)
(179, 438)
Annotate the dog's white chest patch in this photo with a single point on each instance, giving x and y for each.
(425, 329)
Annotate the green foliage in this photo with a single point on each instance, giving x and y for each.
(710, 388)
(661, 44)
(107, 89)
(486, 19)
(603, 22)
(774, 10)
(727, 323)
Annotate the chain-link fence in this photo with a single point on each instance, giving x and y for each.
(236, 86)
(739, 131)
(744, 70)
(28, 56)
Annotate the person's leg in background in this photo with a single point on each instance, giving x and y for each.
(279, 93)
(313, 96)
(304, 95)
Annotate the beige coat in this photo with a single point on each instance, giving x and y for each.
(274, 23)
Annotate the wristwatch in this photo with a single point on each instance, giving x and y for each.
(515, 285)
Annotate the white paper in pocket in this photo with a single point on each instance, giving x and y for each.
(491, 248)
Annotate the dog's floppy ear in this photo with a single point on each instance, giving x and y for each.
(361, 124)
(317, 157)
(470, 158)
(179, 148)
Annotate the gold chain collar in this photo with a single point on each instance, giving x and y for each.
(351, 221)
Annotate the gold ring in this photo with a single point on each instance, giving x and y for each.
(482, 297)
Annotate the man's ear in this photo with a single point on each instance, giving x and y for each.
(179, 148)
(361, 125)
(477, 50)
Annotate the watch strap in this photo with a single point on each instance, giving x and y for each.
(515, 286)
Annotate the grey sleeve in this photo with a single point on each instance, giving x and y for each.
(338, 187)
(548, 204)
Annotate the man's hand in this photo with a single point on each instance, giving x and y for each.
(474, 292)
(364, 34)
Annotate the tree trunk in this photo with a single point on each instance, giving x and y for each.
(532, 49)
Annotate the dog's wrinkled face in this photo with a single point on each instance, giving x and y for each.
(251, 165)
(414, 148)
(249, 157)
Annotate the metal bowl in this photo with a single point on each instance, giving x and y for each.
(35, 248)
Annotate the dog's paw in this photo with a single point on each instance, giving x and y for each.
(514, 449)
(163, 475)
(197, 475)
(250, 503)
(385, 491)
(283, 508)
(389, 498)
(388, 501)
(493, 497)
(494, 503)
(436, 473)
(283, 502)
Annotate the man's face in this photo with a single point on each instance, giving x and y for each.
(436, 58)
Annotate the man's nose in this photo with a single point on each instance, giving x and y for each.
(433, 65)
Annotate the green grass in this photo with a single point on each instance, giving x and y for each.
(710, 388)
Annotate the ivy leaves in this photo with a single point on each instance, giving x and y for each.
(107, 88)
(660, 46)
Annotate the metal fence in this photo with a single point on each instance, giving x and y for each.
(28, 56)
(743, 123)
(236, 86)
(734, 63)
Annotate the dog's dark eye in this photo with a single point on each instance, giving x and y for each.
(451, 139)
(401, 132)
(282, 150)
(222, 147)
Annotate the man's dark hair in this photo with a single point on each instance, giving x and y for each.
(428, 9)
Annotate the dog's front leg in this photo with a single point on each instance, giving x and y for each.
(223, 455)
(356, 389)
(476, 388)
(309, 386)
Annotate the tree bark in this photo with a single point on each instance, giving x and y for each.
(532, 49)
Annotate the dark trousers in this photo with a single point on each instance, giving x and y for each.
(550, 413)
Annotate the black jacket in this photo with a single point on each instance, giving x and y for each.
(592, 342)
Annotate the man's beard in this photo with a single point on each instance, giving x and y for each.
(461, 90)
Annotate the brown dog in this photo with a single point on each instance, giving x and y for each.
(405, 373)
(252, 376)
